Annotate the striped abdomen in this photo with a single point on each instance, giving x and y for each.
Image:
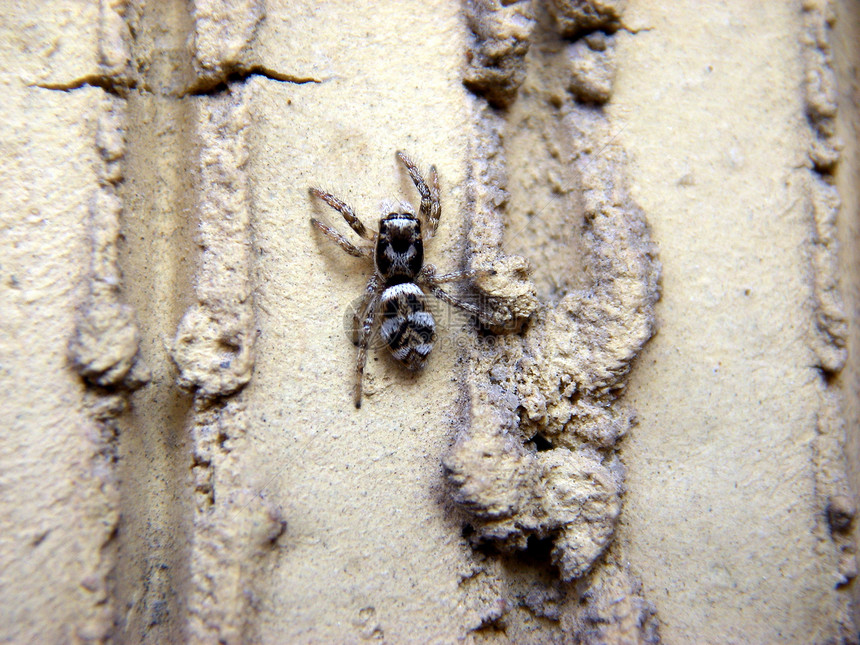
(407, 327)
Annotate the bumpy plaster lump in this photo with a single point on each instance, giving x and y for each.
(829, 332)
(535, 459)
(831, 327)
(214, 343)
(615, 610)
(574, 17)
(223, 31)
(114, 37)
(563, 386)
(501, 32)
(592, 68)
(104, 348)
(519, 494)
(503, 279)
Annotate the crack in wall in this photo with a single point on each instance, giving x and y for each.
(115, 87)
(210, 86)
(206, 87)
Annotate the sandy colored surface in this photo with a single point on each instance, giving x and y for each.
(181, 459)
(734, 458)
(847, 175)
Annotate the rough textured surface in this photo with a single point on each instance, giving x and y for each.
(836, 504)
(730, 216)
(105, 346)
(214, 344)
(500, 41)
(592, 67)
(574, 17)
(234, 529)
(612, 609)
(535, 459)
(62, 317)
(846, 49)
(831, 326)
(59, 508)
(223, 33)
(154, 211)
(516, 495)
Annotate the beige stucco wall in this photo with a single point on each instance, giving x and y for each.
(180, 457)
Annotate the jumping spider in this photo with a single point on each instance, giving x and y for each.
(397, 287)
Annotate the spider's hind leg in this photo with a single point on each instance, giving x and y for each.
(370, 291)
(369, 307)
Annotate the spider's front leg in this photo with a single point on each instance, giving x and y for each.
(431, 207)
(344, 209)
(368, 308)
(341, 241)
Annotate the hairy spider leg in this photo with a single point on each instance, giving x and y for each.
(340, 240)
(372, 289)
(428, 272)
(431, 207)
(346, 210)
(364, 339)
(430, 281)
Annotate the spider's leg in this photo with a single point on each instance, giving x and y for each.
(451, 277)
(428, 275)
(346, 210)
(482, 314)
(364, 337)
(431, 207)
(340, 240)
(372, 289)
(431, 282)
(435, 202)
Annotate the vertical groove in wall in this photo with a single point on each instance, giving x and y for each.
(213, 349)
(156, 255)
(187, 241)
(105, 346)
(185, 546)
(535, 460)
(845, 39)
(233, 527)
(836, 500)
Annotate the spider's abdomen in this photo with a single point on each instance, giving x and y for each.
(407, 327)
(399, 248)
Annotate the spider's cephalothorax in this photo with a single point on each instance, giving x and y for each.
(399, 248)
(395, 292)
